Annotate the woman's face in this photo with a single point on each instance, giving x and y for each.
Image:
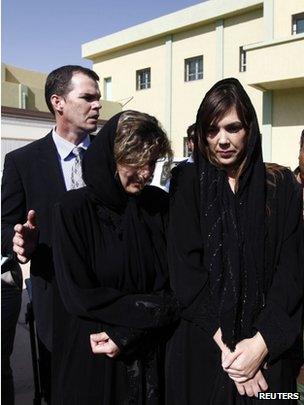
(227, 140)
(134, 179)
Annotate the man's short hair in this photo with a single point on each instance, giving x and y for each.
(302, 140)
(59, 81)
(191, 132)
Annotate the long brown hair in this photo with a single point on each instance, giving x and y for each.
(218, 101)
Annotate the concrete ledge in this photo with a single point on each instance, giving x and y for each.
(274, 42)
(26, 114)
(11, 112)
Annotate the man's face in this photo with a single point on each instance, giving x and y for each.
(80, 106)
(190, 145)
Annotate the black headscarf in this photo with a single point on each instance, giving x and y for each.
(129, 215)
(99, 168)
(233, 232)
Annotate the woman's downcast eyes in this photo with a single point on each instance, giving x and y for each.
(213, 130)
(234, 127)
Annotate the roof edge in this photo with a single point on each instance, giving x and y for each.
(198, 14)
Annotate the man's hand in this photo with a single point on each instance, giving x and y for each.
(253, 386)
(102, 344)
(243, 363)
(25, 239)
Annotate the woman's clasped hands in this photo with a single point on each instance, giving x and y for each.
(102, 344)
(243, 365)
(246, 359)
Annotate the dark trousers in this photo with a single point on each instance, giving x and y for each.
(10, 308)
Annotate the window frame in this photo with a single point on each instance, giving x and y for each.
(107, 80)
(242, 59)
(146, 84)
(294, 20)
(198, 74)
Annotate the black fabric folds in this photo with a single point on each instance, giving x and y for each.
(233, 235)
(111, 273)
(236, 262)
(99, 169)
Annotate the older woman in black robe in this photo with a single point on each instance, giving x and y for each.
(236, 262)
(113, 303)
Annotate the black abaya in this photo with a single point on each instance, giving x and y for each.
(236, 263)
(194, 371)
(111, 275)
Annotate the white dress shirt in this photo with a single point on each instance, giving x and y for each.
(66, 156)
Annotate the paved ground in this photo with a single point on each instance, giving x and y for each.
(22, 361)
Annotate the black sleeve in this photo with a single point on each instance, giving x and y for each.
(189, 278)
(132, 341)
(127, 339)
(83, 295)
(13, 204)
(280, 322)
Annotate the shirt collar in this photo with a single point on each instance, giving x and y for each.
(64, 147)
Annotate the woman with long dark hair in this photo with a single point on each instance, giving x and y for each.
(235, 241)
(114, 302)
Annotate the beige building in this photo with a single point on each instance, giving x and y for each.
(24, 113)
(166, 65)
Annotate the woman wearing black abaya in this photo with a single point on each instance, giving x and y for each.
(113, 304)
(235, 241)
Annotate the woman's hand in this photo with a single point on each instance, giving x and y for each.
(217, 337)
(102, 344)
(253, 386)
(243, 363)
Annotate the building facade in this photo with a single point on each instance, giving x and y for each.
(166, 65)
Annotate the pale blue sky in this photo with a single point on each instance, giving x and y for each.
(42, 35)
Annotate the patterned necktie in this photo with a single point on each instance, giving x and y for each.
(76, 174)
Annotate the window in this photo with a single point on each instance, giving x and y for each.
(107, 88)
(297, 23)
(143, 79)
(194, 68)
(242, 60)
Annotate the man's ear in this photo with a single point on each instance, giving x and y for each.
(57, 102)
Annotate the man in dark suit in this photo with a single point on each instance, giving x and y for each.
(35, 177)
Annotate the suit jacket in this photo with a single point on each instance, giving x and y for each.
(33, 179)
